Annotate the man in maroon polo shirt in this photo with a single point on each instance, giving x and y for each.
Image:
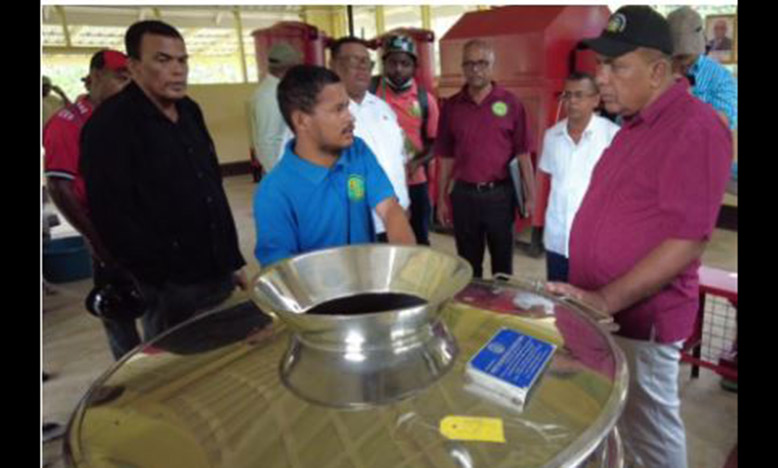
(481, 129)
(651, 207)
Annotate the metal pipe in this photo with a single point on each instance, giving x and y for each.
(61, 11)
(380, 20)
(350, 13)
(241, 49)
(426, 17)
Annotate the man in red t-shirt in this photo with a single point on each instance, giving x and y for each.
(401, 91)
(107, 76)
(651, 206)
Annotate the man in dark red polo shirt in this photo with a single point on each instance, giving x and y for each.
(651, 207)
(481, 129)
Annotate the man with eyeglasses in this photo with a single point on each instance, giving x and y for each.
(481, 129)
(650, 209)
(571, 149)
(374, 120)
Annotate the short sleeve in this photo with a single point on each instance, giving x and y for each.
(377, 185)
(433, 116)
(546, 163)
(61, 144)
(692, 181)
(522, 135)
(444, 140)
(276, 227)
(725, 97)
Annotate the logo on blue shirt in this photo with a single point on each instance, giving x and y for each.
(356, 187)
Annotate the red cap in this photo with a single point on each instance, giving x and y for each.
(108, 59)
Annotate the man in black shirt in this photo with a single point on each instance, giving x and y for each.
(154, 186)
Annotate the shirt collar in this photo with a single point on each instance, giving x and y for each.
(466, 95)
(368, 100)
(312, 172)
(650, 114)
(147, 107)
(84, 104)
(695, 68)
(590, 127)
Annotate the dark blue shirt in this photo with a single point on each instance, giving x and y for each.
(300, 206)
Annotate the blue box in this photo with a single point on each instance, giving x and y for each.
(66, 259)
(510, 363)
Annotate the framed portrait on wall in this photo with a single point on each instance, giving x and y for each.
(721, 37)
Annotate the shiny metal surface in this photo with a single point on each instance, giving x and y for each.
(378, 357)
(210, 394)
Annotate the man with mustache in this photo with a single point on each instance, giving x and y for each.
(650, 209)
(375, 121)
(571, 149)
(323, 190)
(481, 129)
(154, 187)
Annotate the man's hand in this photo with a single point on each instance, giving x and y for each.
(444, 214)
(240, 279)
(593, 299)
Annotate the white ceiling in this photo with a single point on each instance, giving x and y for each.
(207, 30)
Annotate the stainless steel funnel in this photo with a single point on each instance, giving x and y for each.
(354, 361)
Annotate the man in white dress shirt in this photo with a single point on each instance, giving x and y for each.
(571, 149)
(267, 124)
(375, 121)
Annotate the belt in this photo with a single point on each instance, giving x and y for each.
(483, 186)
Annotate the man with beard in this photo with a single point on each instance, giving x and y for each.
(323, 190)
(482, 128)
(417, 113)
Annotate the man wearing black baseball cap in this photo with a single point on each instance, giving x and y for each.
(651, 206)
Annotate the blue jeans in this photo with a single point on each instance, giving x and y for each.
(557, 267)
(169, 305)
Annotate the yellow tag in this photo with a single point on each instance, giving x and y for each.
(470, 428)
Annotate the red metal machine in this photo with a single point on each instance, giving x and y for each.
(306, 38)
(536, 47)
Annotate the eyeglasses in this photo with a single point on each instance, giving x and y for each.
(472, 64)
(568, 96)
(357, 62)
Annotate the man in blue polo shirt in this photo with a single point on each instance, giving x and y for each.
(322, 191)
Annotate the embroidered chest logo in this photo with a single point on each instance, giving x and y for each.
(356, 187)
(617, 23)
(500, 109)
(416, 109)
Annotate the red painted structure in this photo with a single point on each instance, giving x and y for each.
(535, 49)
(306, 38)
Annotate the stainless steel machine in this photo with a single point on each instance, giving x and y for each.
(237, 388)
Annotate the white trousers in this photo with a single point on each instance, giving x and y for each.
(651, 425)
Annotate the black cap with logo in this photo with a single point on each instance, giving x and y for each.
(632, 27)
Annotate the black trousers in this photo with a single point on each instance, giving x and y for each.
(484, 218)
(421, 212)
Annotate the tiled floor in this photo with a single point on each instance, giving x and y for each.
(76, 352)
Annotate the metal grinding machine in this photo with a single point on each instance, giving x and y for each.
(289, 384)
